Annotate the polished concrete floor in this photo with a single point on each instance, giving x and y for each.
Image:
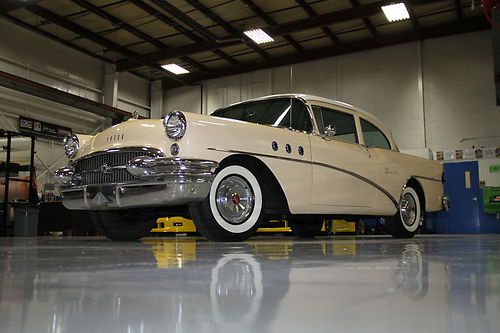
(268, 284)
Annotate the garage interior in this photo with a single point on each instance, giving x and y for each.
(81, 66)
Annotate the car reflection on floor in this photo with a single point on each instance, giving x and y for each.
(265, 284)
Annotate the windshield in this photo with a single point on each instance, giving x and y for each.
(274, 112)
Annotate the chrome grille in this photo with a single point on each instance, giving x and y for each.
(90, 172)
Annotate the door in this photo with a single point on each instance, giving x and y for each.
(385, 163)
(341, 167)
(462, 185)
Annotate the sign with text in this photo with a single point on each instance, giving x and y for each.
(41, 128)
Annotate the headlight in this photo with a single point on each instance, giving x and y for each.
(71, 145)
(175, 125)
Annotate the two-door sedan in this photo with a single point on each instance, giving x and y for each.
(292, 156)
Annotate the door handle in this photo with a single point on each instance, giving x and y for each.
(474, 199)
(365, 148)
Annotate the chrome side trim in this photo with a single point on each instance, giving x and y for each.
(426, 178)
(372, 183)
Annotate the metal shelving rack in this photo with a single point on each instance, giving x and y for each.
(32, 199)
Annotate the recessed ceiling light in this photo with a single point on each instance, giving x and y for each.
(258, 36)
(396, 12)
(176, 69)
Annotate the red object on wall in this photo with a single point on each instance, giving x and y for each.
(488, 5)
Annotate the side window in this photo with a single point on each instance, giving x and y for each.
(373, 136)
(301, 120)
(345, 127)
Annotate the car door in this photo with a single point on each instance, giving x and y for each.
(341, 166)
(386, 163)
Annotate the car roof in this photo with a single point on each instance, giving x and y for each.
(310, 98)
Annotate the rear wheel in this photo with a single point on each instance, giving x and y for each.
(122, 225)
(407, 220)
(233, 210)
(306, 228)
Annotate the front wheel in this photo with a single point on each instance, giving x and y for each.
(306, 228)
(233, 210)
(122, 225)
(407, 220)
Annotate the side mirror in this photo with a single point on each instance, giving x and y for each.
(330, 131)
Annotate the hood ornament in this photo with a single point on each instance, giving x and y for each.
(135, 115)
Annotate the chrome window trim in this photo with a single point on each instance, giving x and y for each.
(298, 98)
(392, 144)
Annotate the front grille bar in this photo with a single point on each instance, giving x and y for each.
(109, 167)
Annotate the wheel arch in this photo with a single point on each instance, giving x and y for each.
(275, 198)
(415, 184)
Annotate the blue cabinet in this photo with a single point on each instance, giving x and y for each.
(466, 215)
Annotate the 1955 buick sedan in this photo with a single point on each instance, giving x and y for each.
(293, 156)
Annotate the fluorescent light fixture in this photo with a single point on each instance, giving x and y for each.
(396, 12)
(258, 36)
(176, 69)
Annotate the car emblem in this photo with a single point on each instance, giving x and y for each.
(105, 169)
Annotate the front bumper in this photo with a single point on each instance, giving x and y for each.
(159, 181)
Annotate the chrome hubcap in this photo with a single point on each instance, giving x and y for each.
(408, 208)
(235, 199)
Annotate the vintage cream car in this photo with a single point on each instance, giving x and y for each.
(293, 156)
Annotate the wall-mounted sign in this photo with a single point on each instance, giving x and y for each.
(41, 128)
(495, 168)
(467, 154)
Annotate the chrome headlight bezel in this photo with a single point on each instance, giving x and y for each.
(71, 145)
(175, 125)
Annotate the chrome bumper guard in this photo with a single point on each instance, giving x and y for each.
(446, 202)
(160, 181)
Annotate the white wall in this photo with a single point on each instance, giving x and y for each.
(29, 55)
(450, 79)
(134, 94)
(460, 91)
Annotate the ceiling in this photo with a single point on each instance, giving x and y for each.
(206, 37)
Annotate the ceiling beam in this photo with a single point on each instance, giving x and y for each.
(43, 33)
(413, 17)
(175, 52)
(79, 30)
(207, 34)
(84, 32)
(269, 21)
(275, 30)
(442, 30)
(226, 26)
(133, 30)
(368, 23)
(170, 22)
(310, 11)
(33, 88)
(7, 6)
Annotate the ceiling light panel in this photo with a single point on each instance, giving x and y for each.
(259, 36)
(396, 12)
(176, 69)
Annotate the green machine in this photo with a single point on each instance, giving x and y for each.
(491, 200)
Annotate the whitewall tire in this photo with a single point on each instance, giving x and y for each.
(407, 220)
(233, 209)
